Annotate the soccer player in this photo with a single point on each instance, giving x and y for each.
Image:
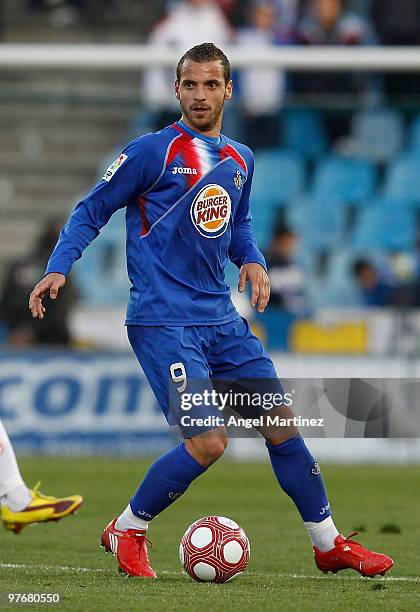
(186, 193)
(21, 506)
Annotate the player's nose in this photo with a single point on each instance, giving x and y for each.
(200, 94)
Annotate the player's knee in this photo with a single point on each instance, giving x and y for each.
(212, 449)
(276, 434)
(215, 450)
(207, 449)
(280, 436)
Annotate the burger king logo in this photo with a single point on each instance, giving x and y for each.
(210, 211)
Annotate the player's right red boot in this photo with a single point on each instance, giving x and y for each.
(348, 554)
(130, 549)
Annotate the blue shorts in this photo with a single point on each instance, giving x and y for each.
(198, 353)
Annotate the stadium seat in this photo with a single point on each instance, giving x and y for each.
(378, 134)
(321, 223)
(263, 220)
(386, 224)
(402, 179)
(295, 212)
(231, 275)
(279, 176)
(414, 137)
(351, 181)
(340, 288)
(101, 274)
(303, 130)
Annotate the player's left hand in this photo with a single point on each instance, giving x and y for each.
(260, 284)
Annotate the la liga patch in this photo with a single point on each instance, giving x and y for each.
(114, 167)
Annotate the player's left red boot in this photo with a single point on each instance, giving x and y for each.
(348, 554)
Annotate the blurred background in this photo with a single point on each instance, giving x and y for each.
(335, 202)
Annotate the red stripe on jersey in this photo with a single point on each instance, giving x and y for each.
(191, 158)
(179, 128)
(223, 153)
(229, 150)
(177, 145)
(144, 222)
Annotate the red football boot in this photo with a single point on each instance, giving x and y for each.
(348, 554)
(130, 548)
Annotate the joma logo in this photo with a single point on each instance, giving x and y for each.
(184, 171)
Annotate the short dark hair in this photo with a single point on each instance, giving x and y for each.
(206, 52)
(361, 265)
(281, 230)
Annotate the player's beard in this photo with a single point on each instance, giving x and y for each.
(206, 123)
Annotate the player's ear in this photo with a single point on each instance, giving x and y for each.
(177, 89)
(228, 90)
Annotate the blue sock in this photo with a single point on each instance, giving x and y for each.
(166, 480)
(299, 476)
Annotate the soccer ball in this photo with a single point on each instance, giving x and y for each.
(214, 549)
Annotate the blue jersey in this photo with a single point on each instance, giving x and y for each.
(187, 213)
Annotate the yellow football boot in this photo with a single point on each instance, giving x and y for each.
(41, 509)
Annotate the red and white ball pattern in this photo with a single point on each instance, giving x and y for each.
(214, 549)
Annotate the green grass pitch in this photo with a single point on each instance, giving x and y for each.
(65, 557)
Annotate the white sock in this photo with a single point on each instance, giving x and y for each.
(17, 499)
(322, 534)
(11, 482)
(128, 520)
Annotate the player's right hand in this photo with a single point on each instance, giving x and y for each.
(51, 282)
